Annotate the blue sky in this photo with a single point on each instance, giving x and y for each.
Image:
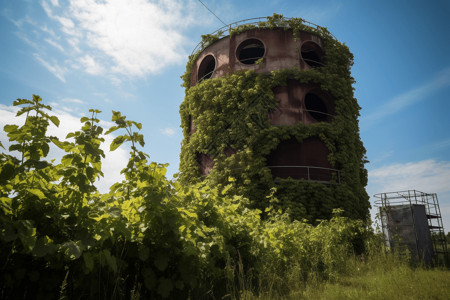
(129, 56)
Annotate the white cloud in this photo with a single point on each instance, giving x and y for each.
(114, 37)
(52, 67)
(90, 65)
(428, 176)
(168, 131)
(410, 97)
(72, 100)
(55, 44)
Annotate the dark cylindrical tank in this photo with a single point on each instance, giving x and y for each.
(271, 106)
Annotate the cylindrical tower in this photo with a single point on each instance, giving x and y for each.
(271, 105)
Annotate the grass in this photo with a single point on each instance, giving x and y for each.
(382, 278)
(401, 282)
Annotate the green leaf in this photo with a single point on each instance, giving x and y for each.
(115, 212)
(43, 247)
(165, 287)
(73, 249)
(54, 120)
(6, 203)
(10, 128)
(36, 192)
(112, 129)
(88, 261)
(116, 115)
(110, 260)
(116, 143)
(1, 145)
(144, 253)
(22, 101)
(161, 261)
(6, 172)
(27, 234)
(149, 278)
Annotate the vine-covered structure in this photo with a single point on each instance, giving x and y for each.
(271, 107)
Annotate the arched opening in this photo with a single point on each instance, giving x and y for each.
(250, 51)
(316, 107)
(312, 54)
(306, 160)
(206, 68)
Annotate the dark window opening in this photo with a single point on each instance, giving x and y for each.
(206, 68)
(250, 51)
(312, 54)
(316, 107)
(206, 163)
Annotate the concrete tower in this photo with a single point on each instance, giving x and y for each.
(269, 106)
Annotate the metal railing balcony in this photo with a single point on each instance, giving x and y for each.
(311, 173)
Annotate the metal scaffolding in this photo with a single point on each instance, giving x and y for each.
(412, 203)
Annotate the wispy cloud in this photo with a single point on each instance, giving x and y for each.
(320, 14)
(426, 175)
(168, 131)
(90, 65)
(437, 146)
(72, 100)
(55, 44)
(409, 98)
(111, 38)
(429, 176)
(52, 67)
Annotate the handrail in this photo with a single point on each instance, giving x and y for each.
(311, 167)
(251, 21)
(319, 112)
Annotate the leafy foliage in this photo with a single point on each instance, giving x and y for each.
(148, 237)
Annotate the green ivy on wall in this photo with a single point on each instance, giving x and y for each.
(231, 112)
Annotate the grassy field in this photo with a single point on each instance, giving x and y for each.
(382, 278)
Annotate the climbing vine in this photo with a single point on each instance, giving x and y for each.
(231, 112)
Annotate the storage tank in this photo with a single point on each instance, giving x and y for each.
(269, 105)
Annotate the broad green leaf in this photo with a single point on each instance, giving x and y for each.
(73, 249)
(161, 261)
(165, 287)
(22, 101)
(88, 261)
(55, 120)
(6, 172)
(36, 192)
(115, 212)
(27, 234)
(9, 233)
(6, 205)
(149, 278)
(110, 260)
(144, 253)
(43, 246)
(112, 129)
(10, 128)
(116, 143)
